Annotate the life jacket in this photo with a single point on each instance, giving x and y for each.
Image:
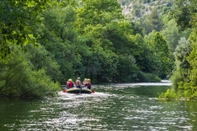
(88, 85)
(71, 84)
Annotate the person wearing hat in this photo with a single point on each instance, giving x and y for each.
(70, 83)
(84, 81)
(88, 84)
(78, 82)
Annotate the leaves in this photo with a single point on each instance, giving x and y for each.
(76, 38)
(16, 18)
(19, 79)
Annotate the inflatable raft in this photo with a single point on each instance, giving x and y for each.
(78, 90)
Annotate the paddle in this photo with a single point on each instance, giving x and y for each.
(93, 91)
(80, 89)
(64, 90)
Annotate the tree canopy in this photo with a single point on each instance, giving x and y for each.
(51, 41)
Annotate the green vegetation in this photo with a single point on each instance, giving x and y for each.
(19, 78)
(42, 44)
(184, 74)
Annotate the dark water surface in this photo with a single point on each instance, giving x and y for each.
(120, 107)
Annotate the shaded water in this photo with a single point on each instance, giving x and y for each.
(132, 107)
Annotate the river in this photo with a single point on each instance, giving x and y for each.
(116, 107)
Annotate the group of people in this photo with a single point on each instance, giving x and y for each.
(86, 83)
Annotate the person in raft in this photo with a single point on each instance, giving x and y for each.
(88, 84)
(84, 81)
(78, 83)
(70, 83)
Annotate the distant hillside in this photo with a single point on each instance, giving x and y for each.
(136, 9)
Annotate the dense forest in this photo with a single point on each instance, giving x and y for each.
(44, 43)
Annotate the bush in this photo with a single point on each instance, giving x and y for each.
(147, 77)
(19, 79)
(170, 94)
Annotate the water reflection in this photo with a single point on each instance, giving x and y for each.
(113, 107)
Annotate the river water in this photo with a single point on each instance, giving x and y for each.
(118, 107)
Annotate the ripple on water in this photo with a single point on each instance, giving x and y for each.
(112, 108)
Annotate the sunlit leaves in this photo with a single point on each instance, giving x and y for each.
(98, 12)
(192, 59)
(16, 20)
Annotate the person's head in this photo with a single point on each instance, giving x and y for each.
(78, 78)
(88, 80)
(70, 80)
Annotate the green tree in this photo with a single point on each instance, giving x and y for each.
(110, 35)
(181, 83)
(40, 58)
(163, 56)
(127, 69)
(190, 86)
(146, 59)
(58, 35)
(183, 12)
(184, 76)
(97, 12)
(181, 71)
(93, 20)
(128, 46)
(101, 61)
(16, 23)
(153, 22)
(19, 78)
(171, 32)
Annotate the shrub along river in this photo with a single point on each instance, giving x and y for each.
(132, 107)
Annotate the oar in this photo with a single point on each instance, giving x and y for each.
(80, 89)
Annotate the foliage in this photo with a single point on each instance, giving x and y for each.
(21, 80)
(96, 22)
(184, 76)
(153, 22)
(183, 12)
(162, 58)
(182, 51)
(16, 20)
(127, 69)
(98, 12)
(145, 59)
(58, 35)
(83, 38)
(102, 62)
(191, 85)
(170, 94)
(40, 58)
(171, 33)
(146, 77)
(180, 76)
